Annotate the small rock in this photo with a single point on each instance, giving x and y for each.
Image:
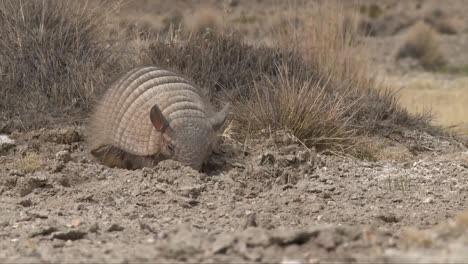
(290, 158)
(4, 223)
(191, 191)
(74, 223)
(327, 240)
(16, 173)
(315, 208)
(94, 228)
(115, 228)
(388, 218)
(222, 243)
(233, 3)
(57, 243)
(63, 136)
(63, 156)
(150, 240)
(39, 214)
(290, 261)
(57, 167)
(251, 220)
(145, 226)
(25, 203)
(70, 235)
(428, 200)
(304, 155)
(44, 231)
(6, 143)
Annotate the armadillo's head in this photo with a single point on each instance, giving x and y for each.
(188, 140)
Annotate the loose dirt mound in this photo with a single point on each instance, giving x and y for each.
(272, 200)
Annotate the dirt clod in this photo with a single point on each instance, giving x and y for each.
(115, 228)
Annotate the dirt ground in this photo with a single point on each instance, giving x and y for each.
(273, 201)
(266, 200)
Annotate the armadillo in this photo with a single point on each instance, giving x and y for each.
(151, 114)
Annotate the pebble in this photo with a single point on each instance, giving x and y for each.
(115, 228)
(63, 156)
(6, 143)
(428, 200)
(4, 223)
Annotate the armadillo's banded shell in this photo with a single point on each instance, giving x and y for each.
(122, 118)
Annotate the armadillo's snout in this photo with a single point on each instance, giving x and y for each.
(192, 156)
(195, 162)
(193, 140)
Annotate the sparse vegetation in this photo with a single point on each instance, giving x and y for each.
(29, 163)
(421, 43)
(315, 81)
(446, 99)
(52, 57)
(325, 128)
(292, 101)
(442, 23)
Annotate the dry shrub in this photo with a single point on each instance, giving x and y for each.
(316, 82)
(271, 87)
(52, 56)
(330, 42)
(448, 26)
(301, 105)
(422, 44)
(221, 63)
(442, 23)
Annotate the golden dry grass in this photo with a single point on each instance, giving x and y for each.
(29, 163)
(445, 99)
(302, 106)
(313, 78)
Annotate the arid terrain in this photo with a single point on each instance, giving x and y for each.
(386, 184)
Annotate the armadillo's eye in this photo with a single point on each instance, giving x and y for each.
(170, 148)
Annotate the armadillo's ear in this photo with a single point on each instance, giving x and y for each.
(218, 120)
(158, 119)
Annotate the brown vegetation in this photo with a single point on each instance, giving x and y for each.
(421, 43)
(315, 81)
(52, 57)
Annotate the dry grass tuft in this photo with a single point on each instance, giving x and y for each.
(301, 105)
(446, 99)
(316, 82)
(221, 63)
(29, 163)
(313, 80)
(330, 43)
(52, 56)
(421, 43)
(443, 23)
